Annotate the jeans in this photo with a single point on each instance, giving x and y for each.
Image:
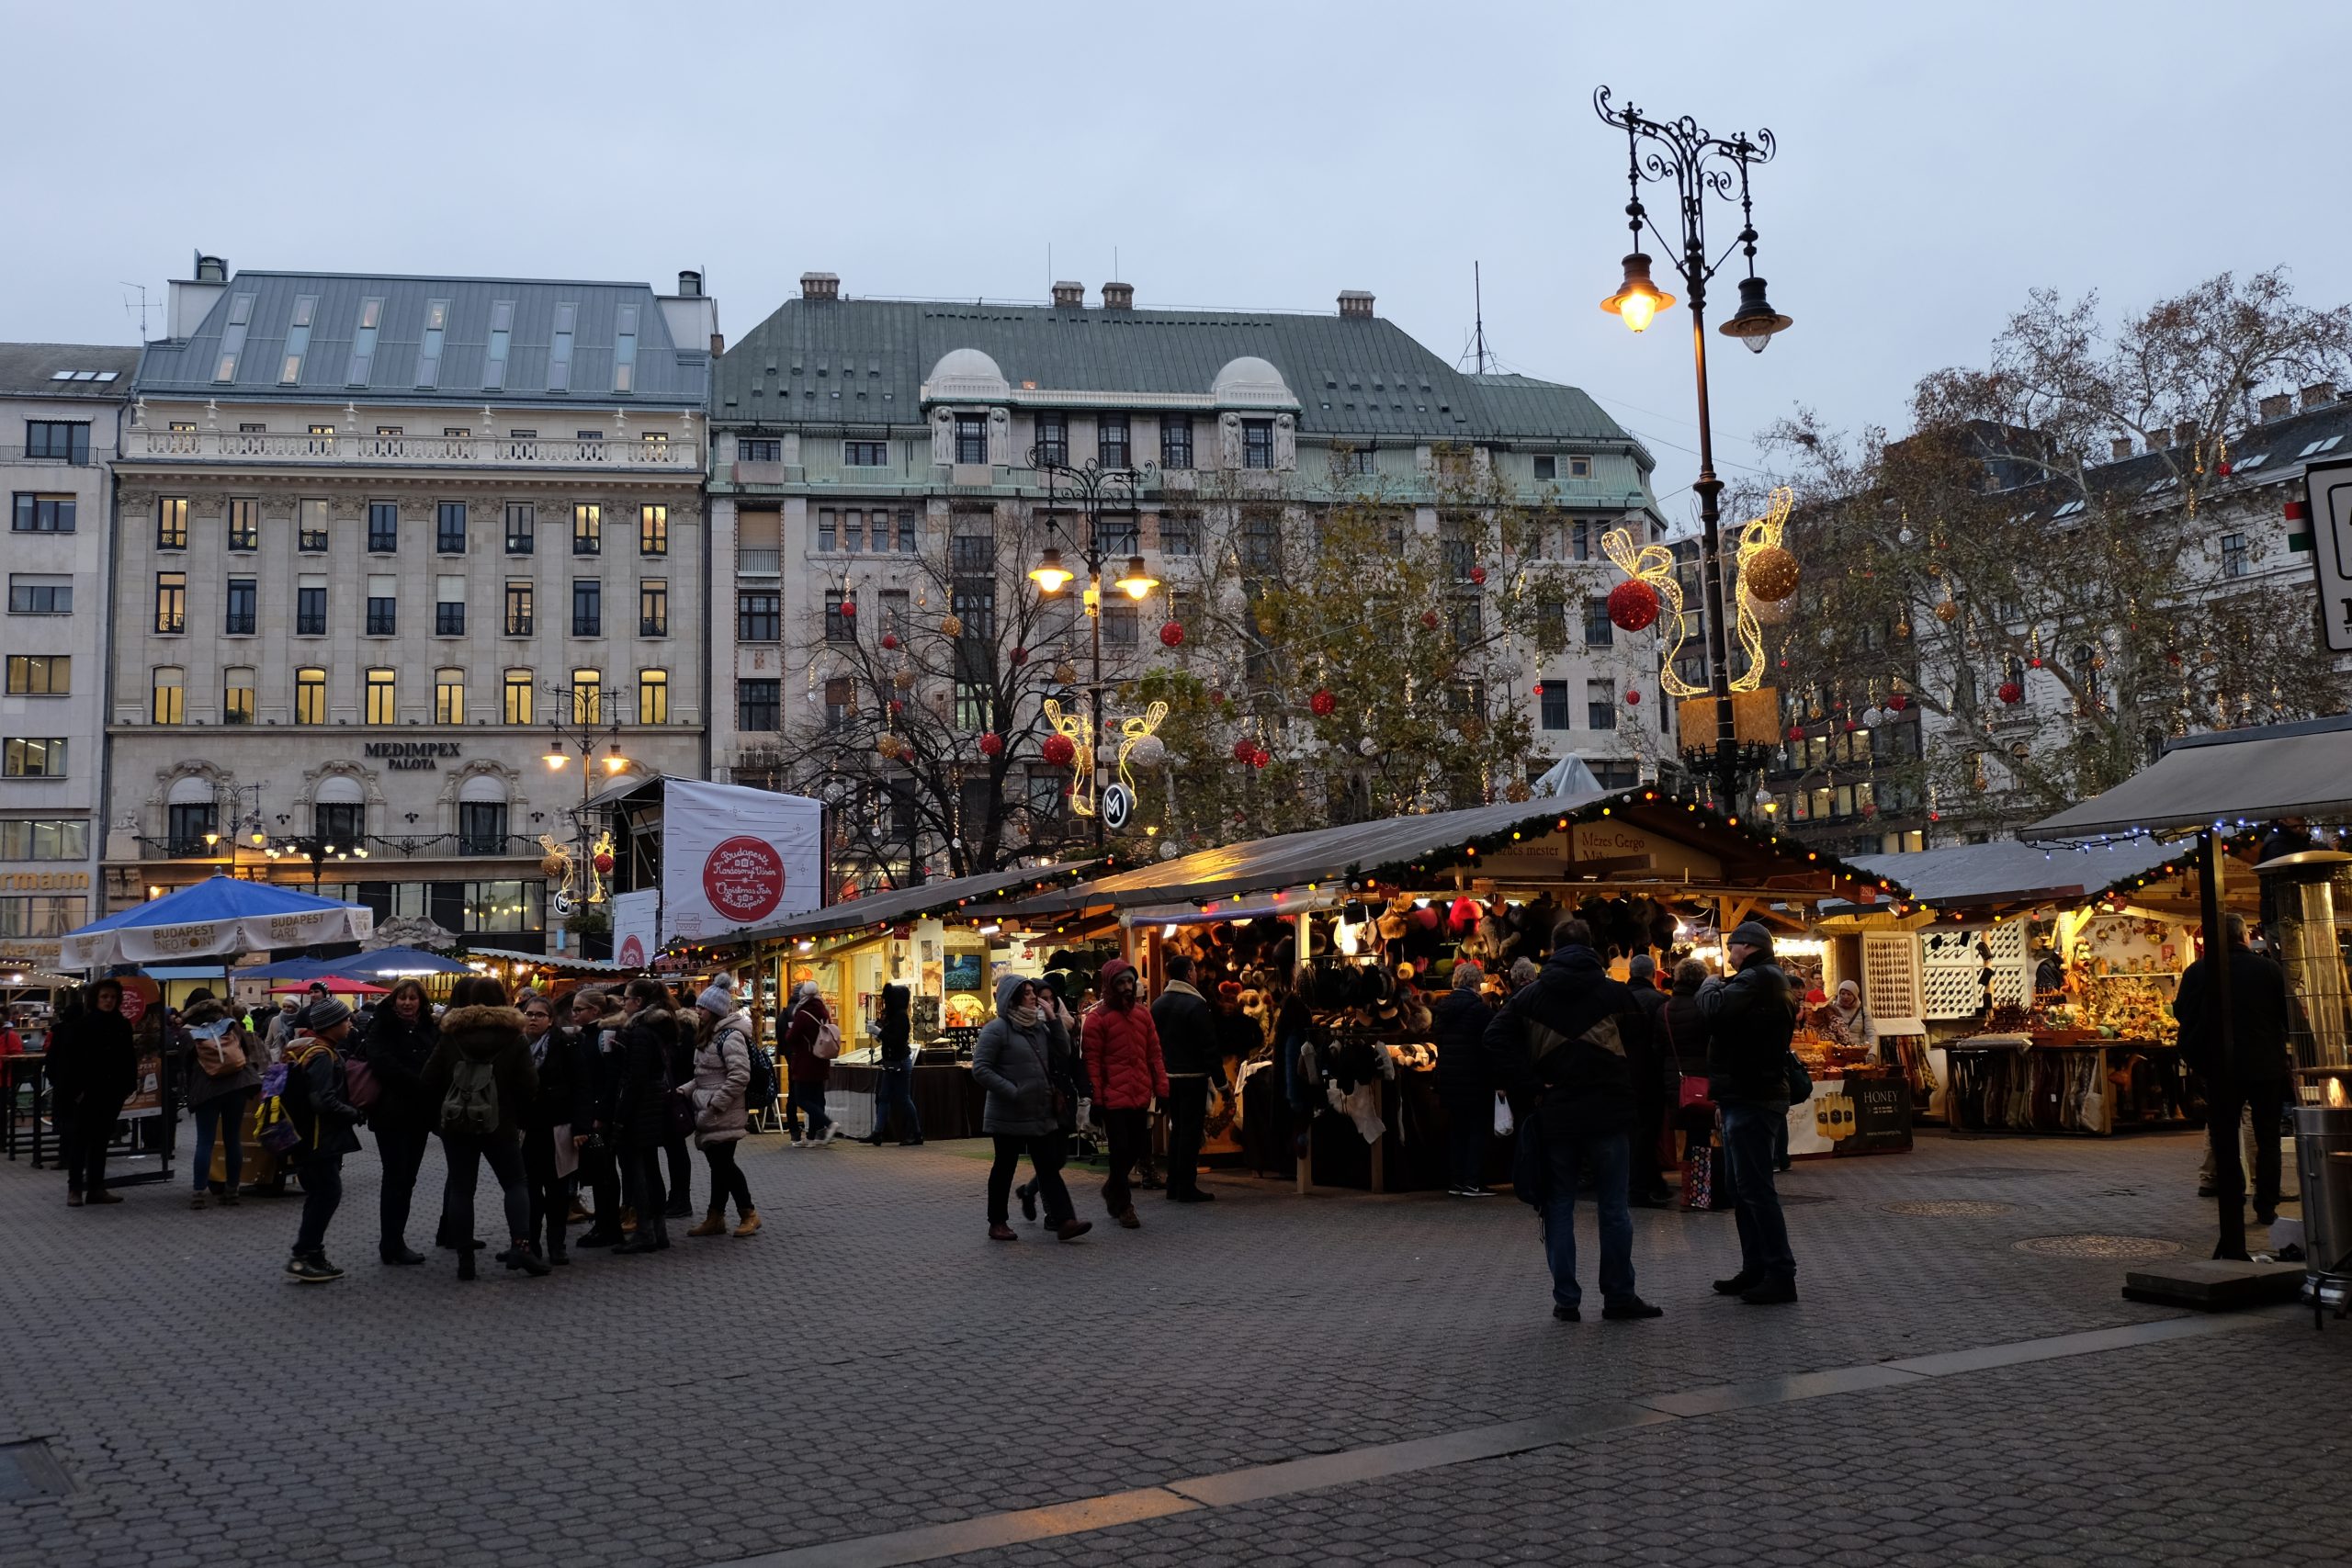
(322, 1177)
(503, 1153)
(727, 1180)
(1747, 1147)
(1608, 1154)
(896, 1099)
(1128, 1134)
(403, 1150)
(2268, 1102)
(1188, 1115)
(221, 1115)
(1046, 1154)
(642, 1186)
(810, 1096)
(682, 1172)
(1467, 1128)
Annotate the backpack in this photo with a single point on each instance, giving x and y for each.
(470, 1108)
(273, 1127)
(828, 1044)
(219, 1055)
(760, 1092)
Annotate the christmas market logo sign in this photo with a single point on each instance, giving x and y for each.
(743, 878)
(632, 950)
(409, 756)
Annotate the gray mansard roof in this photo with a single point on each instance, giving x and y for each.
(665, 373)
(865, 361)
(76, 371)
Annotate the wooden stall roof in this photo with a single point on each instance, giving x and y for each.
(2230, 780)
(918, 902)
(2007, 873)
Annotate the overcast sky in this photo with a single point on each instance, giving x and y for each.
(1935, 163)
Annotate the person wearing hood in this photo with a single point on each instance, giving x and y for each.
(93, 1069)
(1466, 1091)
(318, 1104)
(480, 1076)
(282, 1024)
(721, 1079)
(1191, 1032)
(1750, 1018)
(1560, 1048)
(895, 1099)
(561, 1110)
(1124, 1064)
(1848, 1022)
(398, 1043)
(1022, 1056)
(805, 1072)
(224, 1069)
(641, 1111)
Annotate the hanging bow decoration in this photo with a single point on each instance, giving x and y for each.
(1654, 565)
(1133, 731)
(1760, 548)
(1078, 728)
(600, 862)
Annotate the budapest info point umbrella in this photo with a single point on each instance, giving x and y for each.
(336, 985)
(217, 916)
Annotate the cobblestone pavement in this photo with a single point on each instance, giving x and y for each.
(871, 1363)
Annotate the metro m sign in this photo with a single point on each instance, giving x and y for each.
(2327, 514)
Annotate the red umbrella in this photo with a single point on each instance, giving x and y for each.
(337, 984)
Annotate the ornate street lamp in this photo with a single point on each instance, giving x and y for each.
(1092, 486)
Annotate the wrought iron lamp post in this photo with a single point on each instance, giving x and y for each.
(588, 731)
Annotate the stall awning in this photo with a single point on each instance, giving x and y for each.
(556, 961)
(918, 902)
(2007, 873)
(1247, 907)
(2236, 776)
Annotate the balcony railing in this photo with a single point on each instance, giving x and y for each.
(670, 457)
(759, 563)
(380, 846)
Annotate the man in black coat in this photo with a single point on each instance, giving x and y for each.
(1750, 1018)
(1559, 1048)
(600, 1159)
(1188, 1045)
(2253, 1075)
(93, 1069)
(563, 1106)
(1646, 1060)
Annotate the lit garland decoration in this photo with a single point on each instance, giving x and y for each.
(1132, 732)
(1654, 565)
(557, 863)
(600, 860)
(1078, 728)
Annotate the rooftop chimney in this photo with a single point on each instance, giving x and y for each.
(2185, 432)
(2159, 439)
(2120, 448)
(1070, 294)
(689, 285)
(1355, 304)
(2278, 406)
(2319, 394)
(1118, 296)
(192, 299)
(211, 269)
(821, 285)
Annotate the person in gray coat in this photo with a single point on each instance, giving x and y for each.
(1018, 1059)
(218, 1093)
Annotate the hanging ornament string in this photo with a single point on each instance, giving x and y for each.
(1652, 565)
(1078, 728)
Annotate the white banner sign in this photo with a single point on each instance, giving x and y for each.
(734, 857)
(633, 917)
(2327, 525)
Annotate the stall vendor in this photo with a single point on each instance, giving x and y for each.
(1848, 1021)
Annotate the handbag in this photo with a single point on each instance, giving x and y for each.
(359, 1085)
(1692, 1094)
(681, 1114)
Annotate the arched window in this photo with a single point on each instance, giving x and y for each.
(339, 812)
(191, 812)
(481, 816)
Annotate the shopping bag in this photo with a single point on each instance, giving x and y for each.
(1503, 1123)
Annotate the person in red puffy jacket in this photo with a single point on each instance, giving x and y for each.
(1122, 1063)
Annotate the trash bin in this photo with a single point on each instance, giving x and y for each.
(2323, 1151)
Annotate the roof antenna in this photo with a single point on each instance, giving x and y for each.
(1476, 352)
(138, 310)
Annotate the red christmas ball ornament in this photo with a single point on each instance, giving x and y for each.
(1243, 750)
(890, 639)
(1853, 725)
(1898, 702)
(1323, 704)
(992, 744)
(1172, 635)
(1634, 699)
(2035, 661)
(602, 862)
(897, 707)
(1259, 758)
(1019, 656)
(1633, 606)
(849, 609)
(2011, 692)
(1477, 574)
(1059, 751)
(1796, 732)
(1429, 620)
(1870, 809)
(1216, 699)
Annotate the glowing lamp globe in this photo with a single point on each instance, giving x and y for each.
(1637, 300)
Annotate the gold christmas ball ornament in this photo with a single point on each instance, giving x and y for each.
(904, 680)
(1948, 612)
(1770, 575)
(885, 744)
(951, 626)
(553, 866)
(1065, 674)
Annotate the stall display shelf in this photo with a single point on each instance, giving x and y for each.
(2016, 1084)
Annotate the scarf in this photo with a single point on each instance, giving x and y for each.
(1023, 1018)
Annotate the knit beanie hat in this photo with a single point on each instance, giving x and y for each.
(717, 1000)
(1752, 933)
(325, 1013)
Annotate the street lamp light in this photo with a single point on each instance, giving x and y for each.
(1698, 165)
(588, 731)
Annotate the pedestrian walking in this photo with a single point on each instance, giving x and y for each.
(1123, 1062)
(721, 1077)
(1560, 1048)
(1465, 1089)
(557, 1124)
(223, 1071)
(2251, 1077)
(805, 1071)
(397, 1043)
(1750, 1017)
(327, 1127)
(93, 1069)
(1189, 1033)
(644, 1120)
(1072, 1086)
(894, 1101)
(481, 1078)
(1646, 1061)
(1022, 1055)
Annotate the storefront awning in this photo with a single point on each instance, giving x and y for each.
(555, 961)
(924, 899)
(2009, 873)
(1247, 907)
(2235, 778)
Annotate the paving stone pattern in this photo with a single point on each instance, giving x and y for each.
(871, 1363)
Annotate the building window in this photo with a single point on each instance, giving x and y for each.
(1601, 704)
(1554, 697)
(653, 529)
(39, 674)
(1469, 624)
(841, 702)
(310, 611)
(907, 530)
(380, 696)
(171, 523)
(897, 619)
(1175, 441)
(27, 758)
(244, 524)
(61, 838)
(653, 697)
(1262, 540)
(171, 603)
(383, 527)
(2234, 555)
(482, 827)
(1110, 444)
(1257, 443)
(449, 696)
(57, 440)
(587, 697)
(1053, 438)
(971, 438)
(567, 319)
(758, 449)
(759, 705)
(587, 529)
(587, 607)
(1118, 534)
(311, 528)
(309, 696)
(32, 594)
(168, 692)
(840, 616)
(493, 359)
(518, 696)
(1180, 532)
(243, 593)
(757, 616)
(42, 514)
(41, 915)
(1579, 468)
(865, 453)
(341, 823)
(1120, 622)
(1599, 630)
(653, 608)
(518, 609)
(828, 529)
(236, 695)
(450, 606)
(521, 527)
(624, 348)
(450, 528)
(1547, 468)
(383, 607)
(505, 906)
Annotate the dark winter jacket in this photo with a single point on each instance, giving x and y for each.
(493, 1035)
(1750, 1018)
(1188, 1031)
(1682, 1036)
(565, 1094)
(92, 1067)
(1018, 1067)
(1651, 1069)
(203, 1089)
(802, 1066)
(641, 1111)
(600, 1045)
(1458, 1025)
(1563, 1041)
(2260, 1015)
(1123, 1060)
(1238, 1038)
(396, 1052)
(315, 1101)
(895, 1029)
